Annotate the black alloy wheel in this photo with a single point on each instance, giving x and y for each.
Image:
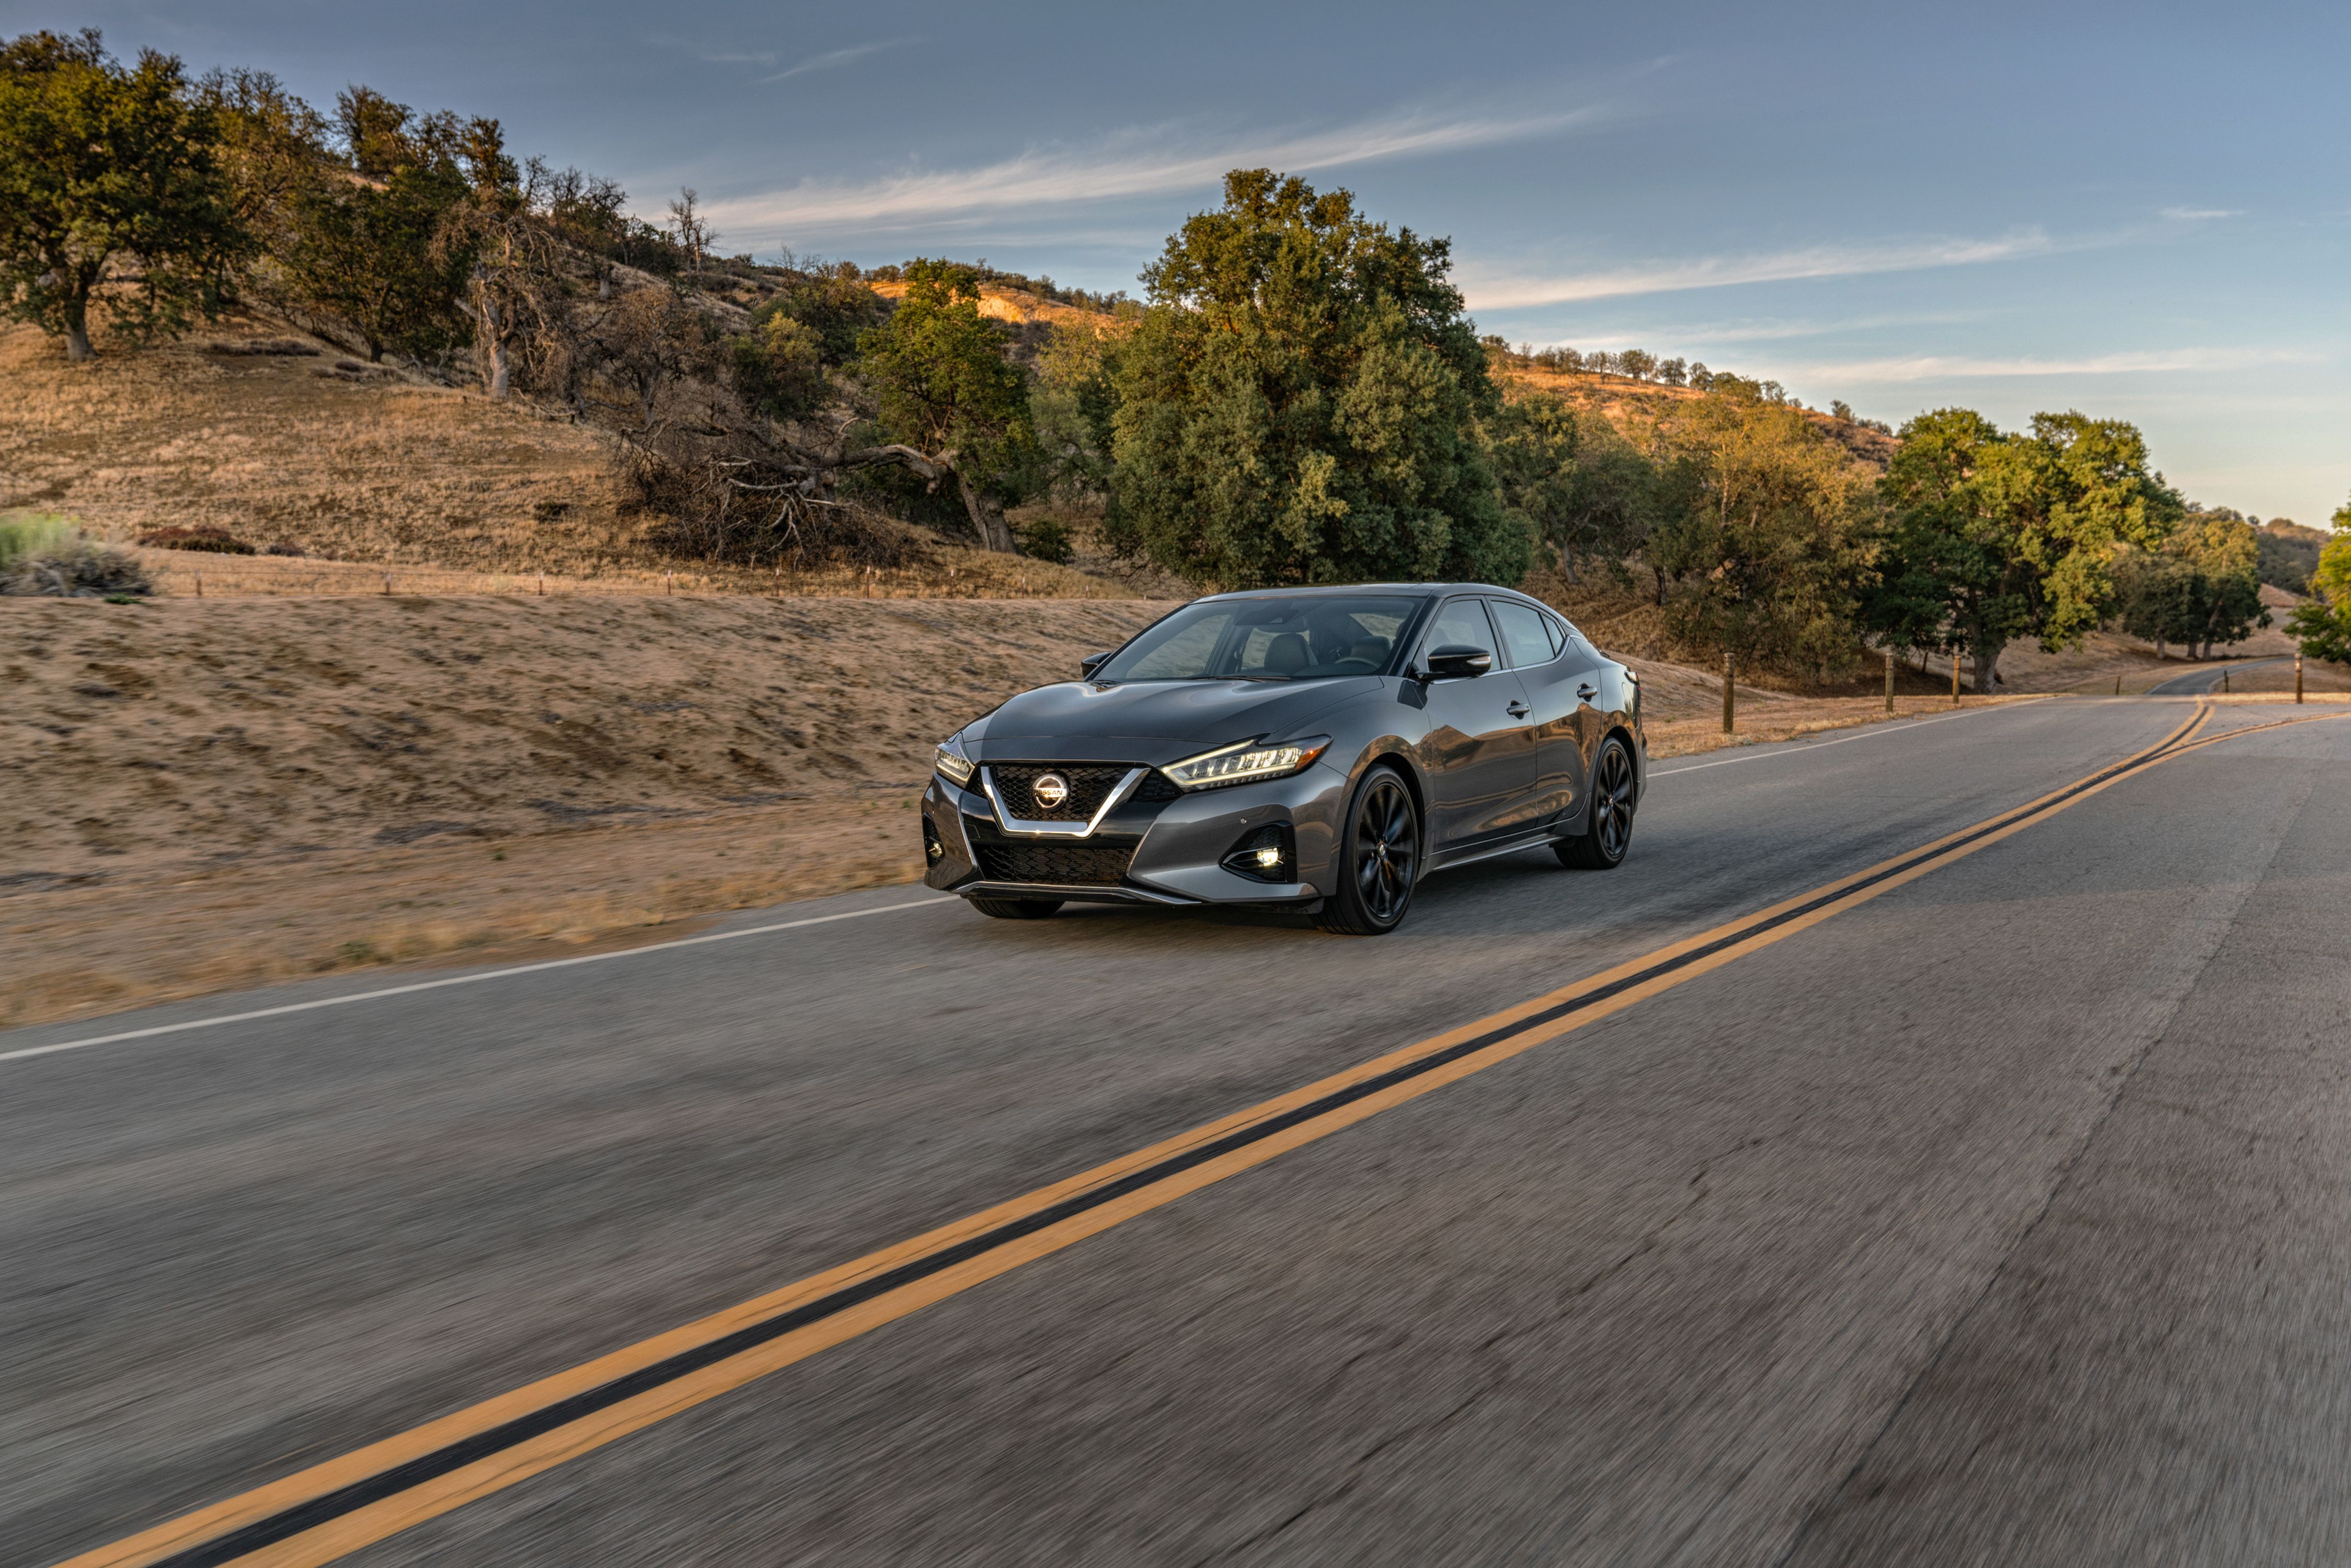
(1601, 846)
(1016, 908)
(1380, 859)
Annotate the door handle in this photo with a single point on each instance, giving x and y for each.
(1516, 710)
(1587, 691)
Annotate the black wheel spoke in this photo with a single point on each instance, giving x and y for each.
(1381, 851)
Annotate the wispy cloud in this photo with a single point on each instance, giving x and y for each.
(1509, 292)
(1683, 335)
(827, 60)
(1938, 367)
(1136, 163)
(2201, 214)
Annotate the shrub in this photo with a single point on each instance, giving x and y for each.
(196, 536)
(24, 535)
(49, 557)
(1047, 538)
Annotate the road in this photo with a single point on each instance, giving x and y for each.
(2197, 682)
(1995, 1210)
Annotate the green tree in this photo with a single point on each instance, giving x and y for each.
(835, 306)
(272, 148)
(778, 369)
(938, 373)
(366, 241)
(1073, 402)
(365, 252)
(2321, 623)
(110, 186)
(2159, 597)
(1994, 537)
(2223, 558)
(1771, 543)
(1572, 480)
(1302, 403)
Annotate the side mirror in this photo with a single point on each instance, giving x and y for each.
(1091, 663)
(1456, 660)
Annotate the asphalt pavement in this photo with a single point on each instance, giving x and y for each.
(2004, 1217)
(2205, 680)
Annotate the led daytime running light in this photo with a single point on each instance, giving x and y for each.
(1241, 763)
(953, 765)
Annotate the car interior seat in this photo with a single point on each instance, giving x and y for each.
(1286, 654)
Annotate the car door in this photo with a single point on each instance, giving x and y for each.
(1475, 753)
(1554, 678)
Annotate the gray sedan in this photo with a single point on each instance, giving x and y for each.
(1313, 748)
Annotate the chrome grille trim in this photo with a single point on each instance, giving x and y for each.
(1009, 823)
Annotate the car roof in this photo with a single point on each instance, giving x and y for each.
(1417, 590)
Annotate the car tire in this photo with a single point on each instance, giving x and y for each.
(1379, 858)
(1609, 834)
(1015, 908)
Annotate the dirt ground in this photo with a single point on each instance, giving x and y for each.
(213, 792)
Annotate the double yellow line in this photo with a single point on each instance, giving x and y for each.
(338, 1507)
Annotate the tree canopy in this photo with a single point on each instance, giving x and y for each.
(2321, 623)
(109, 183)
(942, 385)
(1770, 532)
(1302, 403)
(1994, 537)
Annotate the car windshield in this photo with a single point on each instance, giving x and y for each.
(1306, 638)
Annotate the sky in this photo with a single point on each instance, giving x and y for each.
(2137, 211)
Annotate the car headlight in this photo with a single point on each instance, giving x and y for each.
(1244, 761)
(953, 765)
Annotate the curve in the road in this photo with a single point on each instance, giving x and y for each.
(2196, 683)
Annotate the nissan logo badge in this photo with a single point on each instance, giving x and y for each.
(1050, 791)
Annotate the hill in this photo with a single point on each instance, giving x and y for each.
(283, 439)
(2290, 553)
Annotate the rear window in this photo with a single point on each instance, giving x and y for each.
(1524, 635)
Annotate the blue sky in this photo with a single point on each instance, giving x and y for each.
(2135, 211)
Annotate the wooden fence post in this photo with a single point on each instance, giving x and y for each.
(1730, 678)
(1889, 680)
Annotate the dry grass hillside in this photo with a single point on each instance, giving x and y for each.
(1018, 307)
(349, 463)
(218, 792)
(1636, 408)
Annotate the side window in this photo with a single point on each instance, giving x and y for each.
(1523, 635)
(1557, 632)
(1459, 622)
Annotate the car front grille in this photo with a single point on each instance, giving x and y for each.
(1083, 862)
(1015, 785)
(1156, 788)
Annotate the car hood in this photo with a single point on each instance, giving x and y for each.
(1152, 722)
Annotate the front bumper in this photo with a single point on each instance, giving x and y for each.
(1141, 851)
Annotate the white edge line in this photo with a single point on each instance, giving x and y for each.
(281, 1011)
(1795, 747)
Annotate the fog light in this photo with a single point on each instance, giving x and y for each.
(1265, 854)
(933, 851)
